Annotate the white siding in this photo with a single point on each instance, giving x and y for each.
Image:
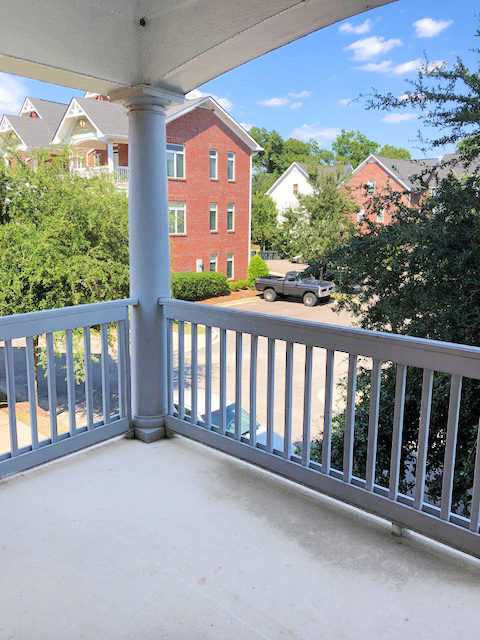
(283, 194)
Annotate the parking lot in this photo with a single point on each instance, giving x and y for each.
(322, 313)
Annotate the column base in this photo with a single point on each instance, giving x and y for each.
(149, 429)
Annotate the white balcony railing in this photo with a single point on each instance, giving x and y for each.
(410, 511)
(17, 333)
(120, 175)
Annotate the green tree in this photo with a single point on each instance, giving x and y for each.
(399, 153)
(262, 181)
(353, 147)
(264, 220)
(420, 276)
(320, 223)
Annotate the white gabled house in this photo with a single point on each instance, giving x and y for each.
(294, 182)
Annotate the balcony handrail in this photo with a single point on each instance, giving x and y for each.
(32, 323)
(438, 521)
(445, 357)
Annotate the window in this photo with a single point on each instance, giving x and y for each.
(97, 160)
(81, 159)
(213, 262)
(175, 161)
(381, 216)
(229, 266)
(230, 217)
(176, 217)
(213, 216)
(295, 189)
(361, 215)
(199, 265)
(231, 166)
(371, 187)
(213, 164)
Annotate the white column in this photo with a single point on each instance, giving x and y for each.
(110, 162)
(149, 255)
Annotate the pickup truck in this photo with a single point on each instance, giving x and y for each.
(295, 285)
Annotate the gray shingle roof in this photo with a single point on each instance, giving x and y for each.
(32, 131)
(451, 163)
(50, 112)
(410, 172)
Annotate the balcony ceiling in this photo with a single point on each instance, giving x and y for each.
(100, 45)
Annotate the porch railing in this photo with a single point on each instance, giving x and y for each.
(19, 335)
(413, 511)
(120, 174)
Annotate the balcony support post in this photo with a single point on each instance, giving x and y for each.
(149, 246)
(110, 159)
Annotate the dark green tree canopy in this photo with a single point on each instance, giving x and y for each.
(353, 147)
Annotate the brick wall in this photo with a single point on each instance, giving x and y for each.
(199, 131)
(373, 171)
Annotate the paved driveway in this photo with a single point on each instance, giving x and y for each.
(322, 313)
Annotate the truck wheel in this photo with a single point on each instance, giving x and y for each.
(310, 299)
(270, 295)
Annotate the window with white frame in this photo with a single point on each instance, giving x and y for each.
(199, 265)
(213, 262)
(381, 216)
(361, 215)
(176, 217)
(213, 164)
(231, 166)
(230, 217)
(97, 159)
(213, 216)
(295, 189)
(371, 186)
(230, 266)
(175, 161)
(81, 159)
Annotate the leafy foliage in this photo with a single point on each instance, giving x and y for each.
(257, 268)
(264, 220)
(353, 147)
(63, 237)
(320, 223)
(198, 286)
(399, 153)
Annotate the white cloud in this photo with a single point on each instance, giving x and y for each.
(407, 67)
(387, 66)
(274, 102)
(246, 126)
(301, 94)
(344, 102)
(324, 134)
(357, 29)
(12, 94)
(428, 27)
(223, 102)
(296, 105)
(369, 48)
(378, 67)
(395, 118)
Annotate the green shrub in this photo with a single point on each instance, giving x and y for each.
(198, 286)
(242, 284)
(256, 269)
(233, 286)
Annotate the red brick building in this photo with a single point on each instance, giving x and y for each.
(377, 175)
(208, 166)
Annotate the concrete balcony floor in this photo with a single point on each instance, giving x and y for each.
(174, 540)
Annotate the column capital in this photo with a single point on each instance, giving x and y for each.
(143, 96)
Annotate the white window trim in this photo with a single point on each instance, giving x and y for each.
(177, 233)
(175, 152)
(210, 156)
(228, 162)
(216, 263)
(233, 266)
(199, 265)
(381, 217)
(213, 204)
(361, 214)
(371, 187)
(232, 230)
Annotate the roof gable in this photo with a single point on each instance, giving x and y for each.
(294, 166)
(404, 172)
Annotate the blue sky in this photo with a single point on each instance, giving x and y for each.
(303, 88)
